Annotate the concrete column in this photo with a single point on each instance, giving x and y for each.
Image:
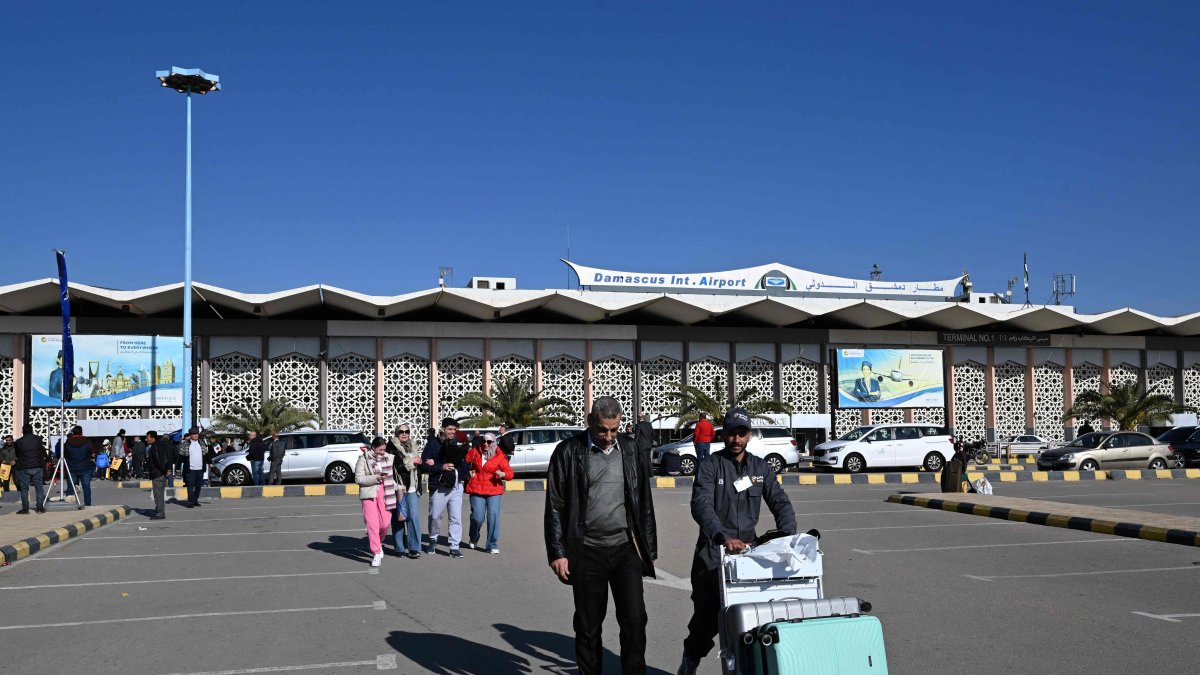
(1068, 393)
(380, 423)
(266, 368)
(1179, 367)
(487, 366)
(323, 381)
(587, 377)
(1030, 416)
(687, 358)
(1105, 381)
(948, 375)
(826, 393)
(434, 418)
(908, 415)
(731, 388)
(537, 365)
(989, 389)
(18, 375)
(778, 389)
(637, 377)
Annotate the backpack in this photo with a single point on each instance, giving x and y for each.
(102, 461)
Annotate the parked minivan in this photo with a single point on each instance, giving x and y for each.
(887, 445)
(532, 446)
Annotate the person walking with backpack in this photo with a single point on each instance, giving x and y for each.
(406, 458)
(377, 492)
(445, 461)
(489, 470)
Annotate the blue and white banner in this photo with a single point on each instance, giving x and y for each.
(772, 279)
(63, 389)
(890, 378)
(114, 370)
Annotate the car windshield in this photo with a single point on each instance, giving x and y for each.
(1176, 434)
(856, 434)
(1087, 441)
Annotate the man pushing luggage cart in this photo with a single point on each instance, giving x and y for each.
(727, 495)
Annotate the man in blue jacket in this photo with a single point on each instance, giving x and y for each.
(445, 461)
(729, 490)
(81, 462)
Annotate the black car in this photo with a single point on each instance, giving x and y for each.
(1185, 445)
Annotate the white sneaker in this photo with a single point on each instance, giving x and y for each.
(470, 545)
(377, 560)
(494, 551)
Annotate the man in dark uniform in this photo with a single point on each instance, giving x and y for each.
(727, 494)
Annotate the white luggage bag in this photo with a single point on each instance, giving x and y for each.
(784, 568)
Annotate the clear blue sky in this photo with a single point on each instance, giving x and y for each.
(362, 145)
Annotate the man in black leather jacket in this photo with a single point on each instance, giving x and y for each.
(600, 533)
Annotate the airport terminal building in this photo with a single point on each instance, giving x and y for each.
(993, 368)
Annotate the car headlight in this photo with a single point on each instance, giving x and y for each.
(832, 458)
(1068, 457)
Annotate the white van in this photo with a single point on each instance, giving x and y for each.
(887, 445)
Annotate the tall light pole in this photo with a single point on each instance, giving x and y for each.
(188, 81)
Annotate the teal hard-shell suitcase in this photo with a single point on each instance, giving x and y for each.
(849, 645)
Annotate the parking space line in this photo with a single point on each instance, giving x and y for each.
(1079, 574)
(1130, 506)
(1107, 540)
(323, 505)
(915, 527)
(173, 555)
(172, 581)
(1173, 618)
(217, 534)
(377, 605)
(220, 520)
(381, 662)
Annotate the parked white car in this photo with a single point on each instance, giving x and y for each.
(887, 445)
(532, 447)
(1025, 444)
(774, 444)
(313, 453)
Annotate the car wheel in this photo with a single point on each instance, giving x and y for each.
(236, 475)
(777, 463)
(687, 465)
(855, 463)
(934, 462)
(338, 472)
(1089, 465)
(1158, 463)
(1178, 461)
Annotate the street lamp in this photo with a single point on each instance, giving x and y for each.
(188, 81)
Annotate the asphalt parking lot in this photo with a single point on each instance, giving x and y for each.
(238, 586)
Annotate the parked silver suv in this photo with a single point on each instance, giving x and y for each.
(312, 453)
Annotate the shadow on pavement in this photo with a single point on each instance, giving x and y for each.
(351, 548)
(453, 655)
(555, 653)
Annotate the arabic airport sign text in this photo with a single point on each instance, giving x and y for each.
(769, 279)
(994, 339)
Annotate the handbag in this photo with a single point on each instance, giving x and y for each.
(5, 472)
(448, 479)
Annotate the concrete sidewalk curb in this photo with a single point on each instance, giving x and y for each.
(679, 482)
(1064, 519)
(40, 542)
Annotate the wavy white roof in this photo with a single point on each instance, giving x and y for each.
(41, 296)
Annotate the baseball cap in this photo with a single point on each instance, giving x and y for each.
(737, 417)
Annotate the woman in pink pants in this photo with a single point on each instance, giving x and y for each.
(377, 492)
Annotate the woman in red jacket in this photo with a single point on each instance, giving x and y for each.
(489, 470)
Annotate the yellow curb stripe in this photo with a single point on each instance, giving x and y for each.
(314, 490)
(1133, 475)
(1057, 520)
(1192, 473)
(1008, 478)
(876, 479)
(1104, 527)
(272, 491)
(1040, 477)
(231, 493)
(909, 478)
(22, 549)
(515, 486)
(843, 479)
(63, 534)
(43, 540)
(808, 479)
(1163, 473)
(352, 489)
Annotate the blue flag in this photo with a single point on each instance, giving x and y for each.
(68, 351)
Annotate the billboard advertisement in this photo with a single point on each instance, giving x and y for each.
(110, 371)
(890, 378)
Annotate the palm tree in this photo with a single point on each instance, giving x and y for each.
(1126, 404)
(687, 402)
(514, 402)
(275, 414)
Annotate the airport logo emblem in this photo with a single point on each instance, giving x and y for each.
(776, 282)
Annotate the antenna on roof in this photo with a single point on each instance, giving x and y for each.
(445, 276)
(1064, 286)
(876, 273)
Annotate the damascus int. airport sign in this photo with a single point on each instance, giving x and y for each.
(771, 279)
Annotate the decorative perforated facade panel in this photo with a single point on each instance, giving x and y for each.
(1191, 386)
(458, 375)
(1160, 379)
(234, 379)
(970, 400)
(845, 421)
(297, 378)
(1123, 373)
(562, 376)
(887, 415)
(930, 416)
(512, 367)
(757, 373)
(45, 421)
(166, 413)
(114, 413)
(1010, 399)
(352, 393)
(1048, 401)
(711, 376)
(6, 395)
(801, 385)
(1085, 377)
(658, 376)
(613, 376)
(406, 392)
